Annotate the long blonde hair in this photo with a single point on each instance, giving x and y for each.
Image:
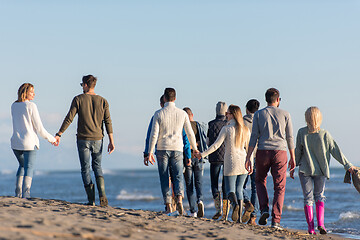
(23, 91)
(313, 118)
(241, 131)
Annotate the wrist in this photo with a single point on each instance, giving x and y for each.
(146, 154)
(58, 135)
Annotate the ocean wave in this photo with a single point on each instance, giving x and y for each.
(349, 215)
(109, 172)
(292, 208)
(124, 195)
(7, 172)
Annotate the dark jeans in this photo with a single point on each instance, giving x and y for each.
(215, 169)
(275, 161)
(87, 148)
(194, 174)
(253, 197)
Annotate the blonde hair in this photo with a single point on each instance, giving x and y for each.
(313, 118)
(23, 91)
(241, 131)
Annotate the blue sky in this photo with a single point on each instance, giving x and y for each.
(207, 50)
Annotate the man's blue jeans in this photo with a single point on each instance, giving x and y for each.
(235, 184)
(26, 161)
(215, 169)
(170, 163)
(87, 148)
(253, 198)
(194, 174)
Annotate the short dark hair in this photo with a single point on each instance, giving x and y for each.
(162, 100)
(252, 105)
(271, 95)
(89, 80)
(187, 110)
(170, 94)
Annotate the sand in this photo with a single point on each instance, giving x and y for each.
(46, 219)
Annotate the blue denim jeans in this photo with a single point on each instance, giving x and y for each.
(313, 187)
(87, 148)
(26, 161)
(253, 198)
(194, 174)
(215, 169)
(170, 163)
(235, 184)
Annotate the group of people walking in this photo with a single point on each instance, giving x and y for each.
(244, 147)
(241, 147)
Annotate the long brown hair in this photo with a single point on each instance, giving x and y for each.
(241, 131)
(23, 91)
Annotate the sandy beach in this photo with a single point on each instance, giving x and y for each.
(45, 219)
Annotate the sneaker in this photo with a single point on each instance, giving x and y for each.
(193, 214)
(276, 226)
(200, 212)
(263, 218)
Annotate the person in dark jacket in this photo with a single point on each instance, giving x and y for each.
(251, 203)
(216, 160)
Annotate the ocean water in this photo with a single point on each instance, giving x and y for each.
(140, 189)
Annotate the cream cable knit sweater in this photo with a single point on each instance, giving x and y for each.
(167, 128)
(234, 158)
(26, 124)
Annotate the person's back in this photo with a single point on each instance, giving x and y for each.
(273, 128)
(214, 129)
(170, 123)
(93, 112)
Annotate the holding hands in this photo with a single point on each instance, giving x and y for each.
(197, 154)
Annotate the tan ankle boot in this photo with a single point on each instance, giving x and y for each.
(252, 221)
(226, 209)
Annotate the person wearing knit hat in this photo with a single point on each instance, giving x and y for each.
(221, 108)
(216, 160)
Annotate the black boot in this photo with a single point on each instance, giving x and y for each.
(235, 205)
(101, 188)
(90, 192)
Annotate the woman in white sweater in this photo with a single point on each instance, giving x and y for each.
(24, 141)
(236, 137)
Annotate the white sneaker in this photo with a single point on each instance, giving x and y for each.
(200, 212)
(194, 214)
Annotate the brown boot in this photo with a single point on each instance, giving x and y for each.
(252, 220)
(226, 209)
(217, 201)
(249, 208)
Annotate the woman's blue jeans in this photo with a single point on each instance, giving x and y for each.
(170, 161)
(313, 187)
(194, 174)
(235, 184)
(87, 148)
(26, 161)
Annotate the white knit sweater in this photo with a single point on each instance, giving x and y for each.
(26, 124)
(234, 158)
(167, 127)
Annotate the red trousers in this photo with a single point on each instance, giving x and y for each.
(276, 162)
